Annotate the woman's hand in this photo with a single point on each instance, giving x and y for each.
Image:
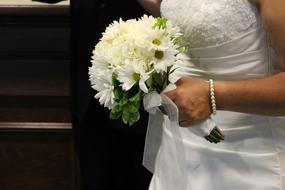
(192, 99)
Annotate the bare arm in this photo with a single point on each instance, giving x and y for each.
(264, 96)
(273, 14)
(152, 6)
(261, 96)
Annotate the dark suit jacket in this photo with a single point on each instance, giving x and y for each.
(110, 153)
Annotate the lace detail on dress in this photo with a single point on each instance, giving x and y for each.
(211, 22)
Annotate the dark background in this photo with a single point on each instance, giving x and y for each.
(36, 139)
(109, 153)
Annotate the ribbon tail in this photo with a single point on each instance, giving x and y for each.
(172, 112)
(152, 140)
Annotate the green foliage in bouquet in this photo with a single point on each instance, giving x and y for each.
(128, 103)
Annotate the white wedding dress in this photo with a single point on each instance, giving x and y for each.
(228, 43)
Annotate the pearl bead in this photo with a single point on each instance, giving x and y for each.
(212, 96)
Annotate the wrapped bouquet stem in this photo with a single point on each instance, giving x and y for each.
(132, 59)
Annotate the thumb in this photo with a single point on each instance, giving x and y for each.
(169, 90)
(180, 81)
(170, 94)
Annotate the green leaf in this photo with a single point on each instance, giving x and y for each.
(160, 81)
(116, 109)
(123, 102)
(137, 104)
(132, 108)
(149, 82)
(115, 82)
(166, 82)
(115, 115)
(126, 116)
(158, 78)
(136, 97)
(124, 99)
(160, 23)
(118, 93)
(134, 117)
(183, 48)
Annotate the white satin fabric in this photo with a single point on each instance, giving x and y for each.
(252, 156)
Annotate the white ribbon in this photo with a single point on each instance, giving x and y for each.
(152, 103)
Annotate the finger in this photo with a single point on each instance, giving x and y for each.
(179, 81)
(171, 94)
(184, 120)
(184, 123)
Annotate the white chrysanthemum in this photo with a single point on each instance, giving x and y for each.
(160, 42)
(133, 72)
(147, 20)
(101, 81)
(113, 30)
(164, 59)
(101, 64)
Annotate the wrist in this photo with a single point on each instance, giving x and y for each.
(220, 95)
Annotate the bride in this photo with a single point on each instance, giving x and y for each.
(240, 44)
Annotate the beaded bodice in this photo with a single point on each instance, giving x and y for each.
(211, 22)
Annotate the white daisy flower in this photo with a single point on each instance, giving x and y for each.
(164, 59)
(133, 72)
(101, 81)
(161, 42)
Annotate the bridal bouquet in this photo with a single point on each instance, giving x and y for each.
(132, 59)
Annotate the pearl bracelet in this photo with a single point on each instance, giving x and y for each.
(212, 96)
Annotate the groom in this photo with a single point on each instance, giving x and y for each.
(110, 153)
